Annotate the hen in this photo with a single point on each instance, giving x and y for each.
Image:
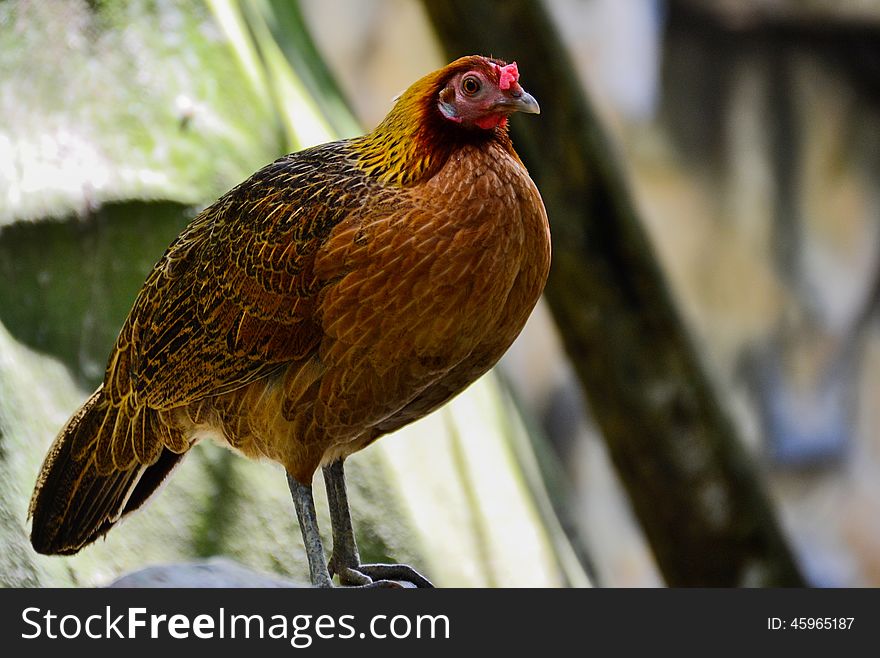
(336, 295)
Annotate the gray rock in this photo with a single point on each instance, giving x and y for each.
(215, 572)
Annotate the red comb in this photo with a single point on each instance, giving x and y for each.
(507, 75)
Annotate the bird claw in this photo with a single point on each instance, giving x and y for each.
(393, 572)
(384, 584)
(379, 575)
(349, 577)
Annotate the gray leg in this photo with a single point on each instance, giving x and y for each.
(308, 525)
(345, 561)
(345, 551)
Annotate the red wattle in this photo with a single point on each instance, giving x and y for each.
(491, 121)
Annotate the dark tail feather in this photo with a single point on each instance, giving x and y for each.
(74, 502)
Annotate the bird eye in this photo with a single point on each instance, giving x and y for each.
(471, 85)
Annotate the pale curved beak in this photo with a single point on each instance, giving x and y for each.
(519, 101)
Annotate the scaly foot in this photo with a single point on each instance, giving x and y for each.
(371, 575)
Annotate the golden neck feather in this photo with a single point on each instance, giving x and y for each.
(414, 140)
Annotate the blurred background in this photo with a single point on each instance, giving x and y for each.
(746, 133)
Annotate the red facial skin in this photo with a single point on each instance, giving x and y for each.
(487, 108)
